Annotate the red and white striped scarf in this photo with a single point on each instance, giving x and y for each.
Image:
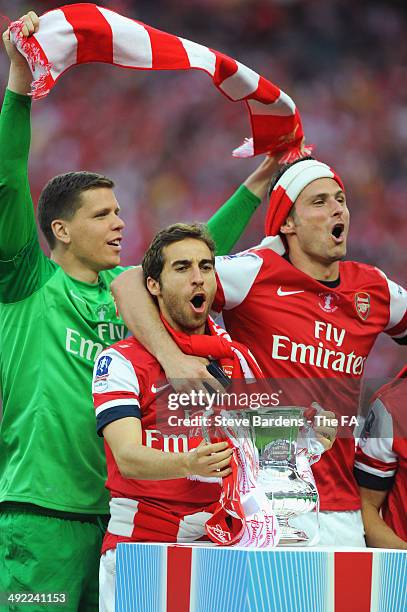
(243, 515)
(82, 33)
(235, 358)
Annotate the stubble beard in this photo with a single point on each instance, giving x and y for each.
(178, 313)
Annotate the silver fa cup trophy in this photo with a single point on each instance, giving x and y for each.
(284, 469)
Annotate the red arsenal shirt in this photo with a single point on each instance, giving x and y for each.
(381, 456)
(127, 382)
(314, 339)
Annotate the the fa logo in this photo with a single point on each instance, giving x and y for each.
(103, 366)
(102, 312)
(328, 302)
(362, 304)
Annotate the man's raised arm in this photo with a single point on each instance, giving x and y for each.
(17, 221)
(229, 222)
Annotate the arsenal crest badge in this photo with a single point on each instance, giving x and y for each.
(362, 304)
(228, 369)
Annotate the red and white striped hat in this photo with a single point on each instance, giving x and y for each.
(288, 188)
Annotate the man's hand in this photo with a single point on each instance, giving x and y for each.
(20, 75)
(31, 24)
(187, 373)
(324, 429)
(259, 180)
(124, 437)
(210, 460)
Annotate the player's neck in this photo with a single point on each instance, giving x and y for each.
(319, 270)
(190, 331)
(74, 268)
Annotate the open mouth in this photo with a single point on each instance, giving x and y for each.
(115, 243)
(338, 232)
(198, 302)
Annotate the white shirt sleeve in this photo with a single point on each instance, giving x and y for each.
(236, 276)
(115, 382)
(375, 448)
(397, 323)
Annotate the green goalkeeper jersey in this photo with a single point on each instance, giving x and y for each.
(52, 328)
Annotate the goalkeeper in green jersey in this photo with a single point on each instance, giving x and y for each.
(56, 315)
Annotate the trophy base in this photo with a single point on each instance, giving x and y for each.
(291, 536)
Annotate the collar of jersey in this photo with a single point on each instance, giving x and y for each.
(91, 286)
(330, 284)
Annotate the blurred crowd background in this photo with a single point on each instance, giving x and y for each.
(166, 138)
